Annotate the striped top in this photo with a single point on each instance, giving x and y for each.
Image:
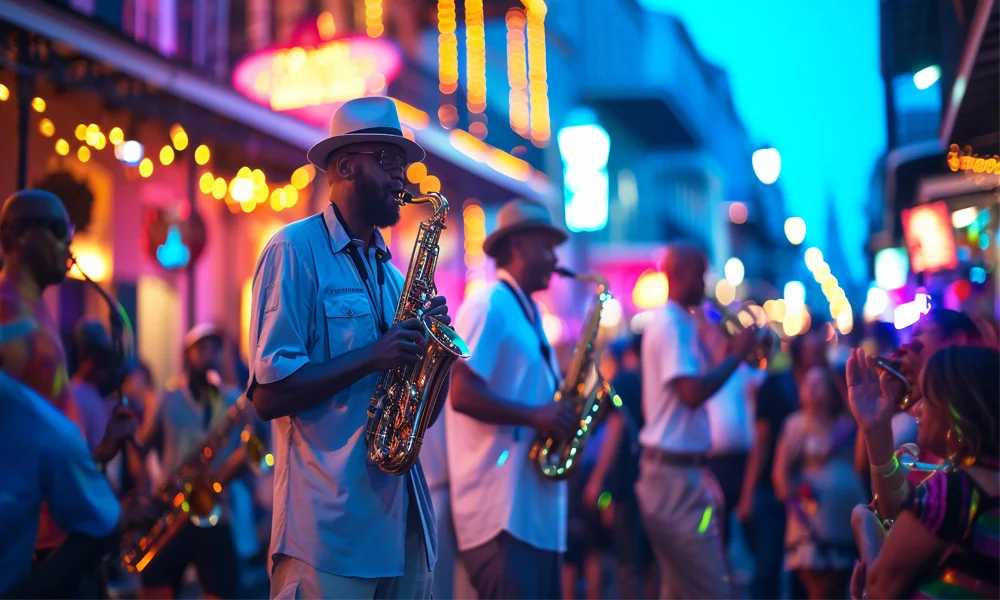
(957, 510)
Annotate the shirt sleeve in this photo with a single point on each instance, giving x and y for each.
(481, 324)
(946, 504)
(284, 294)
(78, 495)
(676, 350)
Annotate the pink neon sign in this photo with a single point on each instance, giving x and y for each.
(311, 77)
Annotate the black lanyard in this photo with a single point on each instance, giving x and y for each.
(543, 344)
(361, 266)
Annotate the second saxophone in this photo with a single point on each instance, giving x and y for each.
(405, 397)
(557, 457)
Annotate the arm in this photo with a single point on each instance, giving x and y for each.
(310, 385)
(755, 460)
(283, 381)
(910, 554)
(695, 391)
(442, 398)
(891, 490)
(781, 475)
(609, 450)
(472, 396)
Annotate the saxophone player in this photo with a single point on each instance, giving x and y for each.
(324, 299)
(510, 521)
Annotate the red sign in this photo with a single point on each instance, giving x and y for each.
(171, 240)
(311, 77)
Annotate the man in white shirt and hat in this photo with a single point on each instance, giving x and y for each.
(321, 330)
(510, 521)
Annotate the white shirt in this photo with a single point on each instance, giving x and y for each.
(731, 412)
(47, 460)
(494, 486)
(671, 349)
(332, 509)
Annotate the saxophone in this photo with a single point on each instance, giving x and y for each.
(555, 457)
(191, 492)
(405, 397)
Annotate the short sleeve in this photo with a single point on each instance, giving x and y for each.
(284, 293)
(79, 496)
(480, 322)
(674, 348)
(946, 504)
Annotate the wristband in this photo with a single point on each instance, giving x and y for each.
(887, 470)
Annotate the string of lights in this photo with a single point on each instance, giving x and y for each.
(244, 192)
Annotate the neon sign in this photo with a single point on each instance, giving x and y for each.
(310, 78)
(907, 314)
(964, 160)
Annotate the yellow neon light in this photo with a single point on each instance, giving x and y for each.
(475, 56)
(540, 127)
(517, 71)
(447, 47)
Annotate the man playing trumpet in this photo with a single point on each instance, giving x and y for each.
(679, 498)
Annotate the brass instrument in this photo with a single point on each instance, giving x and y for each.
(556, 457)
(892, 367)
(405, 397)
(191, 493)
(768, 341)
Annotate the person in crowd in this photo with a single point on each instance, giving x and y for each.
(321, 330)
(190, 408)
(510, 521)
(35, 236)
(943, 541)
(759, 509)
(677, 493)
(814, 478)
(617, 470)
(93, 364)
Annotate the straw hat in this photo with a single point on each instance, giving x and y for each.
(522, 215)
(372, 119)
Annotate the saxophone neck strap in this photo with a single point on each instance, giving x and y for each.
(361, 266)
(534, 321)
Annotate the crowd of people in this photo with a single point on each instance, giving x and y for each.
(843, 477)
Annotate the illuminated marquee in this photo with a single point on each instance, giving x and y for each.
(310, 78)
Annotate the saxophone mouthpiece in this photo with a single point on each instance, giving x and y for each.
(564, 272)
(403, 197)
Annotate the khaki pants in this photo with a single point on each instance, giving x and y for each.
(682, 511)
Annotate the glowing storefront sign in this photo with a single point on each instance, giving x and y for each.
(907, 314)
(310, 78)
(964, 160)
(929, 237)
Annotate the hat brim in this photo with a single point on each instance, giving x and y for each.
(320, 152)
(490, 243)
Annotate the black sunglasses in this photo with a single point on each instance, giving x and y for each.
(62, 230)
(386, 159)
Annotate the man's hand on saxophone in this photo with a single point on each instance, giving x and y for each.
(556, 419)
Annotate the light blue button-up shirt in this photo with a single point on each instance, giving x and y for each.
(332, 509)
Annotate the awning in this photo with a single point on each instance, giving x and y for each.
(145, 65)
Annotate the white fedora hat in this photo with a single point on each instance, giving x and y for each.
(370, 119)
(522, 215)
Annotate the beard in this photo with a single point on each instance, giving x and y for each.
(377, 205)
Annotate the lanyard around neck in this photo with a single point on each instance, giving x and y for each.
(536, 326)
(361, 266)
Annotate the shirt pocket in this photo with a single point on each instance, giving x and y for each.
(349, 322)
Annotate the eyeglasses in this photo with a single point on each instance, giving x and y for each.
(387, 160)
(62, 230)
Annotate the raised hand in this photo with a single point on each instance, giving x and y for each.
(870, 406)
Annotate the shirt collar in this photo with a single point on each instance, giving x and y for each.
(340, 239)
(504, 275)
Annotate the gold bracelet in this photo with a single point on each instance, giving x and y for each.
(887, 470)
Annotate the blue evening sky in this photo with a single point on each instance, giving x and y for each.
(805, 79)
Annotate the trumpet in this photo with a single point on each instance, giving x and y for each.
(767, 340)
(893, 368)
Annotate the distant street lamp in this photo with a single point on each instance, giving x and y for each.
(795, 230)
(926, 77)
(766, 165)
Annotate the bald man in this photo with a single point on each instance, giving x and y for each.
(35, 234)
(677, 493)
